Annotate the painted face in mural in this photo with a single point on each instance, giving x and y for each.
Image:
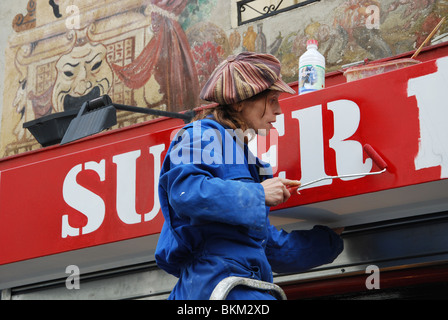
(82, 74)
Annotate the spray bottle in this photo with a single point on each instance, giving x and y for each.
(311, 69)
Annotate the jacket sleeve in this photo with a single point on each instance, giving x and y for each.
(200, 190)
(301, 250)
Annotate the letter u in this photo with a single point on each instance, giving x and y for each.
(126, 185)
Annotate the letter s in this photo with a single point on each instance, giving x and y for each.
(83, 200)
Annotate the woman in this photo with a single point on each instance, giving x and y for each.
(215, 195)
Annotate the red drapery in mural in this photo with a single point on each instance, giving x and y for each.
(168, 57)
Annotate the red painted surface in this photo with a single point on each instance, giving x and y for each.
(389, 122)
(37, 189)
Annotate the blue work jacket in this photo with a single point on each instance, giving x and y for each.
(216, 220)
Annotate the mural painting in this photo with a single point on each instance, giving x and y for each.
(345, 35)
(66, 52)
(158, 53)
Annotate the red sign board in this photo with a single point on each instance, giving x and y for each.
(103, 189)
(401, 114)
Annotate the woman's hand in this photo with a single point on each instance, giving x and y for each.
(276, 190)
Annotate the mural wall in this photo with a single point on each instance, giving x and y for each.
(159, 53)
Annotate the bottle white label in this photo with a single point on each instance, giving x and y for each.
(311, 78)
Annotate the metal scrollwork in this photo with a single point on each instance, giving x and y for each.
(272, 7)
(267, 11)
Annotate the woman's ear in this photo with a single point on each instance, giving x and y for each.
(238, 106)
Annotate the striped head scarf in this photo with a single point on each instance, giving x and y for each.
(243, 76)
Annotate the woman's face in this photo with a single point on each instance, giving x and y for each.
(259, 113)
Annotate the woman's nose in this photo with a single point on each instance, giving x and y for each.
(278, 110)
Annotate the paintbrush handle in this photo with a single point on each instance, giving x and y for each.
(427, 38)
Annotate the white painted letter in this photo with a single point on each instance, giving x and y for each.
(83, 200)
(432, 96)
(126, 185)
(311, 145)
(349, 153)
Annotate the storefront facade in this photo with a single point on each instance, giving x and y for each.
(89, 210)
